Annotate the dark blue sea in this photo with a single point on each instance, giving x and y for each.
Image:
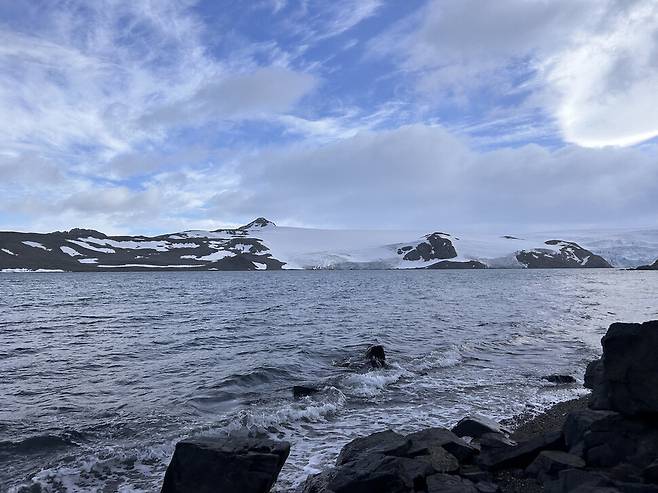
(102, 373)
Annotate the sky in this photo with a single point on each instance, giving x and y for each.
(146, 117)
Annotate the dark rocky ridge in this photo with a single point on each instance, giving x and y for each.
(243, 248)
(437, 247)
(570, 255)
(233, 249)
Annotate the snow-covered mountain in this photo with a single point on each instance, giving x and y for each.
(263, 245)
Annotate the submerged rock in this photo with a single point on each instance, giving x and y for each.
(376, 356)
(229, 465)
(299, 391)
(559, 379)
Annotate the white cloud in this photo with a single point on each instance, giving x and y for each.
(591, 65)
(605, 84)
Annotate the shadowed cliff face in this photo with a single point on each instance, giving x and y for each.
(437, 247)
(568, 255)
(89, 250)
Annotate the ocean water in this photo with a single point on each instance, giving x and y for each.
(102, 373)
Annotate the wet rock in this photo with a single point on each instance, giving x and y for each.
(627, 378)
(384, 442)
(299, 391)
(521, 455)
(422, 442)
(549, 463)
(240, 465)
(376, 356)
(559, 379)
(447, 483)
(476, 426)
(378, 473)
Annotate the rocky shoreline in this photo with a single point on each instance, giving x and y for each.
(604, 442)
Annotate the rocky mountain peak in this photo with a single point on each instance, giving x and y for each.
(259, 222)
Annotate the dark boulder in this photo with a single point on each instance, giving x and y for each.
(521, 455)
(384, 442)
(240, 465)
(626, 379)
(559, 379)
(549, 463)
(495, 440)
(376, 356)
(476, 426)
(422, 442)
(378, 473)
(579, 423)
(447, 483)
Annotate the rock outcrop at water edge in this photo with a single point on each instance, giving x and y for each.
(226, 465)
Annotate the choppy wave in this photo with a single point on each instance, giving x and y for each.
(206, 354)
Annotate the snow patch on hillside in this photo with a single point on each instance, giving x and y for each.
(36, 244)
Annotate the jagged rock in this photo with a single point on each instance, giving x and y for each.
(520, 455)
(240, 465)
(626, 379)
(447, 483)
(376, 356)
(384, 442)
(376, 473)
(595, 380)
(559, 379)
(578, 423)
(425, 440)
(299, 391)
(550, 462)
(495, 440)
(476, 426)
